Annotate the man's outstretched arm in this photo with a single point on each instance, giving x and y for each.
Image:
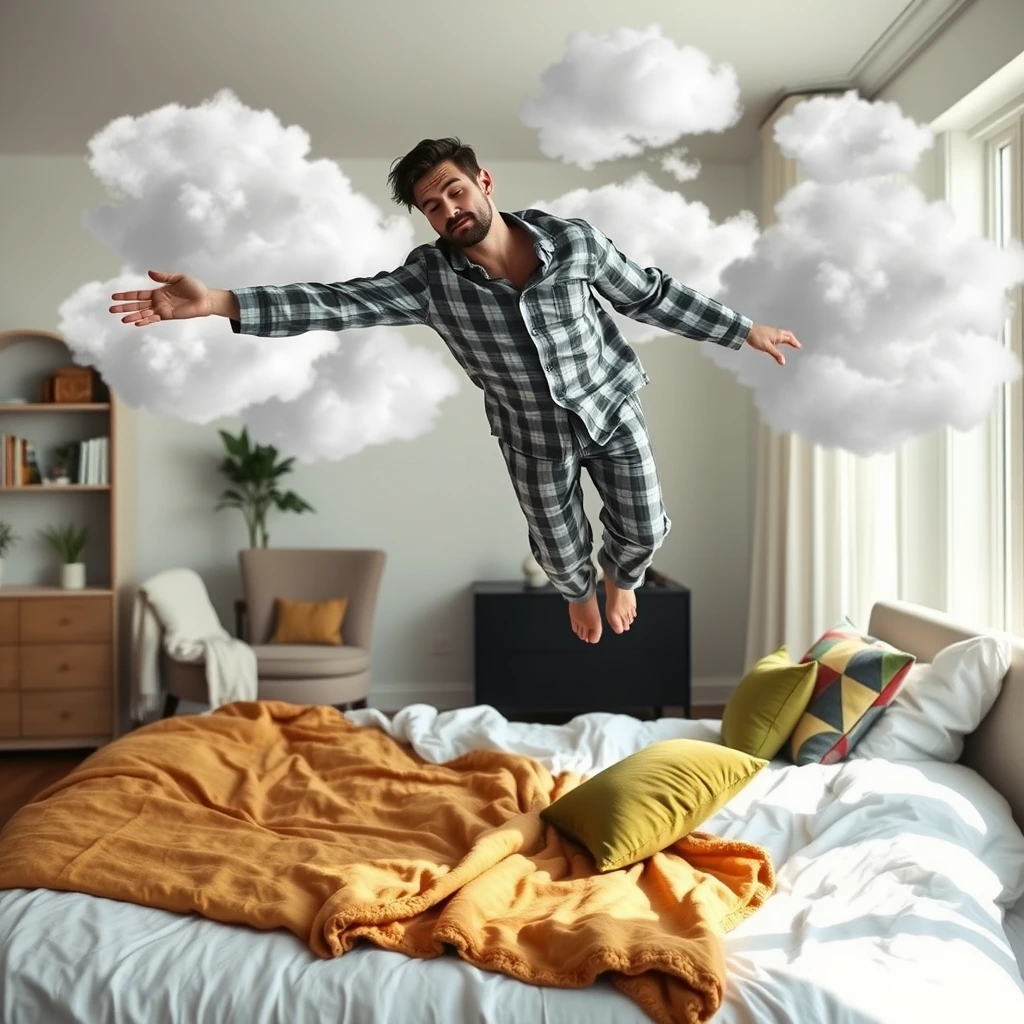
(393, 298)
(654, 297)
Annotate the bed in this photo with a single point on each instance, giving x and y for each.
(900, 898)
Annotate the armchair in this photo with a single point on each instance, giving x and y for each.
(313, 674)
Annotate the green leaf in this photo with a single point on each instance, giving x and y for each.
(291, 502)
(231, 443)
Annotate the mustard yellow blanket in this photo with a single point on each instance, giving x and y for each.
(282, 816)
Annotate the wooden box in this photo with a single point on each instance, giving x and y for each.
(70, 385)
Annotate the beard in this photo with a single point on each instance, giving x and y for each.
(464, 237)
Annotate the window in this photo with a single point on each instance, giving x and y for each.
(1004, 171)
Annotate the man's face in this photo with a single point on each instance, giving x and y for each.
(457, 206)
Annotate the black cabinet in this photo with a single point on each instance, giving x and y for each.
(527, 658)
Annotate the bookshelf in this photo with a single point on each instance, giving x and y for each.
(58, 647)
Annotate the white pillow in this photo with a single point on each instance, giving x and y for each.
(940, 703)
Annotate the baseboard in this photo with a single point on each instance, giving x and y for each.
(444, 696)
(713, 690)
(707, 690)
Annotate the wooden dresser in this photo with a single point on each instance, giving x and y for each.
(57, 667)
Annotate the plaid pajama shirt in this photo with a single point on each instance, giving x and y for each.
(559, 381)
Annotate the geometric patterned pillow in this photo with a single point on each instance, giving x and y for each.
(858, 676)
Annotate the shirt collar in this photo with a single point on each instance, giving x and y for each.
(542, 244)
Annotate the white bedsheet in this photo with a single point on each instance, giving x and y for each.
(892, 884)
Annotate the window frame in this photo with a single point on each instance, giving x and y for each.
(1005, 131)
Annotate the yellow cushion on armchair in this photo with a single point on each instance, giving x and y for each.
(309, 622)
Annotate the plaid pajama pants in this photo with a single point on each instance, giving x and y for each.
(550, 493)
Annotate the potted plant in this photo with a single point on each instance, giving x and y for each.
(8, 538)
(254, 472)
(64, 459)
(69, 543)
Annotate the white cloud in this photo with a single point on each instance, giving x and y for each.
(230, 195)
(374, 388)
(676, 164)
(659, 228)
(899, 308)
(615, 94)
(839, 138)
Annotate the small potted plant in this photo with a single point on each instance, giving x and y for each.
(254, 473)
(8, 538)
(62, 463)
(69, 543)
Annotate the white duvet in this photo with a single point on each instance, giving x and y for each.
(892, 884)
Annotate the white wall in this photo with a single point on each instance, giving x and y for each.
(441, 505)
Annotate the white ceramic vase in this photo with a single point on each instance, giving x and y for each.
(533, 574)
(72, 575)
(1, 572)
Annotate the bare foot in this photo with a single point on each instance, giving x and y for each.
(620, 606)
(586, 620)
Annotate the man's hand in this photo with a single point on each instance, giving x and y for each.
(765, 339)
(180, 298)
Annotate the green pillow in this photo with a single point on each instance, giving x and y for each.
(766, 706)
(651, 799)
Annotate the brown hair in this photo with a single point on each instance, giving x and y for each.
(407, 170)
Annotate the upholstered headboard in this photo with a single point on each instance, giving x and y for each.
(995, 750)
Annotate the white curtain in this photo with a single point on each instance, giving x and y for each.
(834, 533)
(826, 523)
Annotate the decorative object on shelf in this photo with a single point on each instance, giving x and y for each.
(60, 466)
(254, 472)
(69, 543)
(70, 385)
(533, 574)
(8, 538)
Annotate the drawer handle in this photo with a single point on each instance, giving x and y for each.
(65, 621)
(65, 714)
(64, 668)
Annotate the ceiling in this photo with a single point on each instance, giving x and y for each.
(370, 79)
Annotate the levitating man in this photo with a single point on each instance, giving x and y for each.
(512, 296)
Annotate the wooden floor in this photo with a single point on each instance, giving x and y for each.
(23, 774)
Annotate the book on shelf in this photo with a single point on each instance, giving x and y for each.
(18, 464)
(89, 461)
(86, 462)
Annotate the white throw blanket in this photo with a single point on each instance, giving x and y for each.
(173, 608)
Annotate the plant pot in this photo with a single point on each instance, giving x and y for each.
(72, 575)
(1, 572)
